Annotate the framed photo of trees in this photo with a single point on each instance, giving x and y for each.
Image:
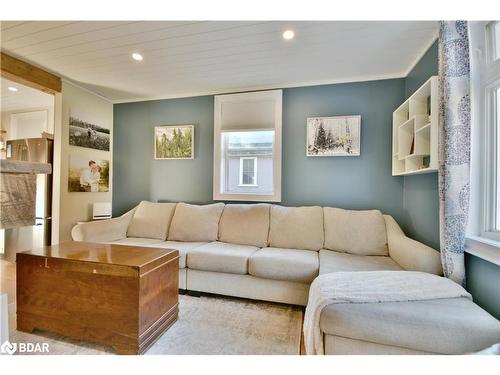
(334, 136)
(174, 142)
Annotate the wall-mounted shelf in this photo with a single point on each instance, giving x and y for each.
(415, 132)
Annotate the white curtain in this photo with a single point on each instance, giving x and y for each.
(454, 145)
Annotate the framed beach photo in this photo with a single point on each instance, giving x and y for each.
(334, 136)
(174, 142)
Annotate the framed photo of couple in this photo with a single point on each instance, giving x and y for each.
(88, 175)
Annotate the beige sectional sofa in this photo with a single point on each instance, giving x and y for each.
(273, 253)
(262, 251)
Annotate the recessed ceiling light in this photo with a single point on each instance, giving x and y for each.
(12, 88)
(288, 34)
(137, 56)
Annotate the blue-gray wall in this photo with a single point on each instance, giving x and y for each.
(483, 282)
(347, 182)
(420, 197)
(138, 176)
(350, 182)
(421, 208)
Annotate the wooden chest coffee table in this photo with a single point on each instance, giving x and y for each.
(121, 296)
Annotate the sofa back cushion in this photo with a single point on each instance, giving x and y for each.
(151, 220)
(355, 232)
(245, 224)
(296, 227)
(195, 223)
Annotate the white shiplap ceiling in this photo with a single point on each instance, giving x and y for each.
(184, 58)
(25, 98)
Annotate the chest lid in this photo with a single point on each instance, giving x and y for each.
(142, 258)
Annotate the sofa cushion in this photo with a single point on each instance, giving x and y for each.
(245, 224)
(296, 227)
(151, 220)
(445, 326)
(193, 223)
(135, 241)
(333, 261)
(355, 232)
(221, 257)
(182, 247)
(284, 264)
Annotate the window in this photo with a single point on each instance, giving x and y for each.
(247, 146)
(484, 219)
(248, 172)
(241, 154)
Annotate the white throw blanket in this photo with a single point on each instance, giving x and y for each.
(370, 287)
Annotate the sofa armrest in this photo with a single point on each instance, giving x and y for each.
(103, 230)
(410, 254)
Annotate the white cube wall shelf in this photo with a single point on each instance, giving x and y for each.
(415, 132)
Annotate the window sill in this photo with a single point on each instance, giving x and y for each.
(247, 197)
(483, 248)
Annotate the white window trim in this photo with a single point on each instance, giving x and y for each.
(277, 97)
(481, 240)
(255, 184)
(490, 41)
(490, 166)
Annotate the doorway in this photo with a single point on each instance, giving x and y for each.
(27, 133)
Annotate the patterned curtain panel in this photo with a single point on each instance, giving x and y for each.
(454, 145)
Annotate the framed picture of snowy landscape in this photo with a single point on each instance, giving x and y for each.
(334, 136)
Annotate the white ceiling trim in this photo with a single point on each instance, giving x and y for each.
(266, 87)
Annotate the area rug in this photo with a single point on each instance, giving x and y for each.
(206, 325)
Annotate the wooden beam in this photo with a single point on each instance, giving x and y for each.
(22, 72)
